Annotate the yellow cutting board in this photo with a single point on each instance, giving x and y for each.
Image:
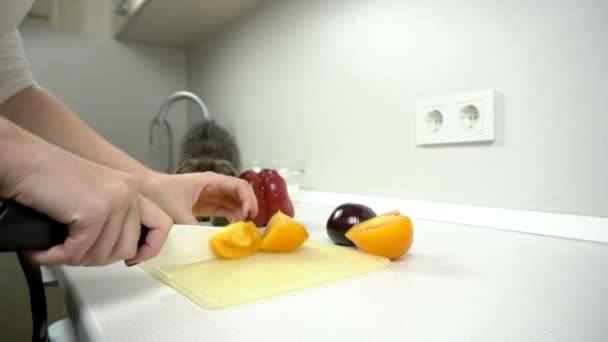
(220, 283)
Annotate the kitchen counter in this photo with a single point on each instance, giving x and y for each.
(457, 283)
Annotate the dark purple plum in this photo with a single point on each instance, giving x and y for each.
(343, 218)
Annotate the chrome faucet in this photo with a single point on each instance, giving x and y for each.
(161, 119)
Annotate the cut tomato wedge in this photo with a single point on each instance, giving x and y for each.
(283, 234)
(236, 240)
(389, 235)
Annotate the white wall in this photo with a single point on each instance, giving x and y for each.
(116, 87)
(335, 83)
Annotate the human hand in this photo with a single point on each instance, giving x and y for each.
(182, 196)
(102, 207)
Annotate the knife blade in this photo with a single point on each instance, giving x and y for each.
(185, 244)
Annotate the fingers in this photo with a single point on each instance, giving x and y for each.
(244, 193)
(230, 214)
(75, 247)
(117, 240)
(53, 256)
(159, 224)
(118, 237)
(101, 252)
(126, 247)
(185, 216)
(253, 212)
(188, 219)
(238, 195)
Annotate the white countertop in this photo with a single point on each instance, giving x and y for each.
(457, 283)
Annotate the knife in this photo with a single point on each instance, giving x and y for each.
(23, 228)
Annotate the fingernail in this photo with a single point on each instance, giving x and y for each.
(133, 264)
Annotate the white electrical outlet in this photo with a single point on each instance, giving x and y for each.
(434, 120)
(457, 118)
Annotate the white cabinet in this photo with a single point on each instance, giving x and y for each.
(91, 17)
(176, 23)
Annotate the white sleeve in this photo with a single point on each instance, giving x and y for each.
(15, 74)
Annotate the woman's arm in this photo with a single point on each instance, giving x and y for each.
(41, 113)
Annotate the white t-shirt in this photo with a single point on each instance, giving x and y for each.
(15, 74)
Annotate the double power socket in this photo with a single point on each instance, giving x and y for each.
(460, 118)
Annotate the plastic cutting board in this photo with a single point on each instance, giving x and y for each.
(221, 283)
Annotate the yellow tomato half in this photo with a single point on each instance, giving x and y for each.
(389, 235)
(283, 234)
(236, 240)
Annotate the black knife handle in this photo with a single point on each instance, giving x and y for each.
(23, 228)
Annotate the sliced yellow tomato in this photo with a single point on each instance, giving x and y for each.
(236, 240)
(389, 235)
(283, 234)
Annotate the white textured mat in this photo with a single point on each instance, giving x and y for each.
(457, 283)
